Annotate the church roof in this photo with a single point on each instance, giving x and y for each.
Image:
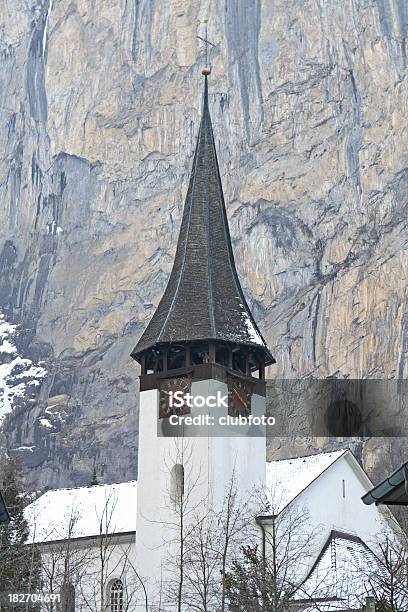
(288, 478)
(83, 512)
(341, 573)
(79, 512)
(203, 299)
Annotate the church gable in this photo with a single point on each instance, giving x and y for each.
(286, 479)
(341, 573)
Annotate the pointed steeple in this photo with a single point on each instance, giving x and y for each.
(203, 300)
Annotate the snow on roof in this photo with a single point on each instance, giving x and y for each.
(79, 512)
(83, 512)
(253, 334)
(343, 571)
(286, 478)
(331, 606)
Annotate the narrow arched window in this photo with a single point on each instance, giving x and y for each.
(116, 596)
(176, 484)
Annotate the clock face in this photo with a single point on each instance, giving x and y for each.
(239, 396)
(167, 388)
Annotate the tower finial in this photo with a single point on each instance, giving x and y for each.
(207, 69)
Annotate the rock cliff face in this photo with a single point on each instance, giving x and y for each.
(99, 110)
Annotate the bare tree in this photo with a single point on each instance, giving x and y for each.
(388, 584)
(234, 520)
(76, 571)
(269, 571)
(110, 559)
(202, 538)
(183, 508)
(63, 564)
(202, 567)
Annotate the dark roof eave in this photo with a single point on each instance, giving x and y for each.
(386, 486)
(269, 358)
(116, 535)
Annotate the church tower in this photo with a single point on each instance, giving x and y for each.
(203, 343)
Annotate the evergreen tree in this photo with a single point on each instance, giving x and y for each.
(267, 574)
(94, 480)
(19, 563)
(249, 586)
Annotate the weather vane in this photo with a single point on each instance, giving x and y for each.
(207, 70)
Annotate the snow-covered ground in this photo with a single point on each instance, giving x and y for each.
(18, 376)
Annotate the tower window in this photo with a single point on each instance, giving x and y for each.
(200, 354)
(116, 596)
(176, 357)
(222, 355)
(239, 360)
(253, 362)
(154, 361)
(176, 484)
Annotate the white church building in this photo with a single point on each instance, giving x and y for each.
(202, 451)
(88, 535)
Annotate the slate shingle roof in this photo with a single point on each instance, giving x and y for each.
(343, 573)
(203, 299)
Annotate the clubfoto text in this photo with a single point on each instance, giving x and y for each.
(206, 420)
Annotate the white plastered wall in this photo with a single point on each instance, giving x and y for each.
(210, 461)
(333, 502)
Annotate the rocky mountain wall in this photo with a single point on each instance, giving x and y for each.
(99, 110)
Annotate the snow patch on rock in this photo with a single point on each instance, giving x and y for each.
(18, 375)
